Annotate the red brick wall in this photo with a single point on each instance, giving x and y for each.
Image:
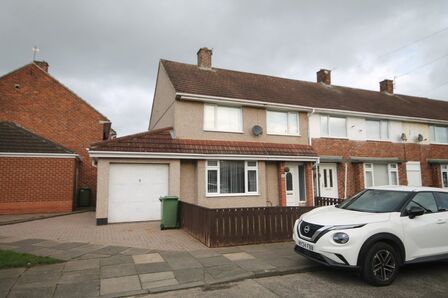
(406, 152)
(45, 107)
(36, 185)
(281, 183)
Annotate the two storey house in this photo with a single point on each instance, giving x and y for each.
(223, 138)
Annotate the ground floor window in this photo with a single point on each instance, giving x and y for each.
(380, 174)
(231, 177)
(445, 176)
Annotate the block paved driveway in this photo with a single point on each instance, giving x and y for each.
(93, 270)
(81, 227)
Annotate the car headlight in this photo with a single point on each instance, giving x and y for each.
(341, 237)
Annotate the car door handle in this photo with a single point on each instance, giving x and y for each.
(441, 221)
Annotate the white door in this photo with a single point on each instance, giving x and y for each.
(292, 185)
(421, 233)
(328, 180)
(444, 169)
(414, 173)
(134, 191)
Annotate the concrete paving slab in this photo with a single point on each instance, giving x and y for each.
(26, 242)
(44, 269)
(66, 255)
(92, 256)
(88, 248)
(11, 273)
(214, 261)
(48, 243)
(32, 292)
(238, 256)
(118, 270)
(45, 252)
(132, 251)
(148, 258)
(156, 280)
(189, 275)
(204, 253)
(120, 284)
(255, 265)
(6, 284)
(80, 276)
(81, 265)
(111, 250)
(69, 245)
(227, 250)
(36, 277)
(181, 260)
(116, 259)
(153, 267)
(77, 290)
(173, 288)
(225, 271)
(24, 249)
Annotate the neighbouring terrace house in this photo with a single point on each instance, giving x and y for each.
(221, 138)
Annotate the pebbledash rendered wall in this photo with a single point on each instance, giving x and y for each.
(36, 184)
(34, 100)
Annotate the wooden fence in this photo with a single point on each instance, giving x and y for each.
(238, 226)
(323, 201)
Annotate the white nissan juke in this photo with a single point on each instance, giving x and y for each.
(377, 231)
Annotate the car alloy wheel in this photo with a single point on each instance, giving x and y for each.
(383, 265)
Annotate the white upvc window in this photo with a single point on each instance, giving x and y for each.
(223, 118)
(380, 174)
(377, 129)
(335, 127)
(231, 177)
(282, 123)
(438, 134)
(444, 169)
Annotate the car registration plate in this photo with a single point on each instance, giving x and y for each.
(306, 245)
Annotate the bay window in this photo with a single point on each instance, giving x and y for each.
(223, 118)
(231, 177)
(380, 174)
(377, 129)
(333, 126)
(438, 134)
(282, 123)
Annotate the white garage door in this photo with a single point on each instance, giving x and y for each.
(134, 191)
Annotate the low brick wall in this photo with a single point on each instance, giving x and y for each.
(36, 185)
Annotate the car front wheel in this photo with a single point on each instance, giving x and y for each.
(380, 265)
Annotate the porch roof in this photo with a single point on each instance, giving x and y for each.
(164, 141)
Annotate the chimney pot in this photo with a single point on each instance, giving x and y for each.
(324, 76)
(205, 58)
(42, 64)
(387, 86)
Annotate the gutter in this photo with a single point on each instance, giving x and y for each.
(43, 155)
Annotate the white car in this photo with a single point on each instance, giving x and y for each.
(377, 231)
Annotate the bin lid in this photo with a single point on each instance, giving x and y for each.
(169, 198)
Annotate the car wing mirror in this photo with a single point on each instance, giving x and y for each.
(415, 211)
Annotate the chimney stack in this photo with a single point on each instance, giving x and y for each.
(387, 86)
(205, 58)
(42, 64)
(324, 76)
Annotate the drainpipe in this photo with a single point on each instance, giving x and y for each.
(345, 182)
(316, 168)
(309, 126)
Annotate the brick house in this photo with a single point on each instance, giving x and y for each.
(223, 138)
(34, 100)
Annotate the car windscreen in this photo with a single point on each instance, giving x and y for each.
(378, 201)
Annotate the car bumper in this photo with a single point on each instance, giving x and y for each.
(321, 259)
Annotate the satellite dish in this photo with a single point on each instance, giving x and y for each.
(257, 130)
(420, 137)
(403, 137)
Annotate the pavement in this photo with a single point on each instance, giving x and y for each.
(93, 270)
(81, 227)
(7, 219)
(422, 280)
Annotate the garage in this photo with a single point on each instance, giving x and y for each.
(134, 191)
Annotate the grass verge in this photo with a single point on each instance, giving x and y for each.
(11, 259)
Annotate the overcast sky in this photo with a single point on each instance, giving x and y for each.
(108, 51)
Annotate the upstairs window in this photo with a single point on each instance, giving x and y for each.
(335, 127)
(377, 129)
(282, 123)
(438, 134)
(223, 118)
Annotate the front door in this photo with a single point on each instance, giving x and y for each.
(328, 180)
(414, 173)
(444, 169)
(295, 184)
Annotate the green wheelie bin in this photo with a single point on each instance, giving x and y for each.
(169, 212)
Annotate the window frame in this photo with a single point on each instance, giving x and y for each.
(390, 170)
(217, 168)
(432, 134)
(215, 113)
(328, 128)
(434, 195)
(443, 170)
(288, 128)
(380, 123)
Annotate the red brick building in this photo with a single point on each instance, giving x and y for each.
(32, 99)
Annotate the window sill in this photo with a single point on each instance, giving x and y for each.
(228, 131)
(438, 144)
(232, 195)
(283, 135)
(334, 138)
(373, 140)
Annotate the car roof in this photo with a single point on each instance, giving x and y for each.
(408, 188)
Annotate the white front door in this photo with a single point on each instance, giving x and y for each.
(328, 180)
(134, 191)
(414, 173)
(444, 169)
(292, 185)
